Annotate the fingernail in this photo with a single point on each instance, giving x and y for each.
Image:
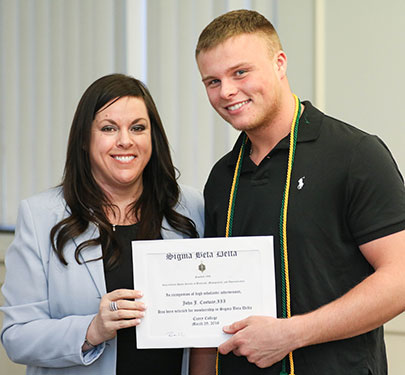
(226, 328)
(141, 306)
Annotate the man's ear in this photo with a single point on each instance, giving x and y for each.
(280, 61)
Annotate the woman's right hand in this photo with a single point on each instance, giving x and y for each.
(106, 323)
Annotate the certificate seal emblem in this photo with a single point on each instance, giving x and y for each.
(201, 267)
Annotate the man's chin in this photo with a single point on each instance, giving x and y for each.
(242, 127)
(237, 125)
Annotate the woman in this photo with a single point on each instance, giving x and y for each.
(71, 307)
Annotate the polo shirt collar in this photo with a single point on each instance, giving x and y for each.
(309, 129)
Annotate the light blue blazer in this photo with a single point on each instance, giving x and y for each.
(49, 306)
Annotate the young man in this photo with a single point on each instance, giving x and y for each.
(345, 253)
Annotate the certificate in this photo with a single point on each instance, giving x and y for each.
(194, 287)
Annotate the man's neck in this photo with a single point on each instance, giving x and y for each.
(265, 138)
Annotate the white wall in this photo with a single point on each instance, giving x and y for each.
(365, 60)
(51, 50)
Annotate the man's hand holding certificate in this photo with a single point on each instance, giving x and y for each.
(195, 287)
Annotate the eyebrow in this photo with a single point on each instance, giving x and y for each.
(112, 121)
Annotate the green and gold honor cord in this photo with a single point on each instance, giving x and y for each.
(285, 279)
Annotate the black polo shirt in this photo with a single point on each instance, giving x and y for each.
(345, 190)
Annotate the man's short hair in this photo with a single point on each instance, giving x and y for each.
(235, 23)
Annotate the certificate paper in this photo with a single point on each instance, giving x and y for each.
(194, 287)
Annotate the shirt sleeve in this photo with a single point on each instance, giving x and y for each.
(30, 334)
(375, 192)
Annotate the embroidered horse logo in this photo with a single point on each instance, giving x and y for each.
(301, 183)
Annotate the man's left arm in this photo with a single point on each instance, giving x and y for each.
(370, 304)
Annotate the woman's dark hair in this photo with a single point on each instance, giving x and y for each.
(84, 197)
